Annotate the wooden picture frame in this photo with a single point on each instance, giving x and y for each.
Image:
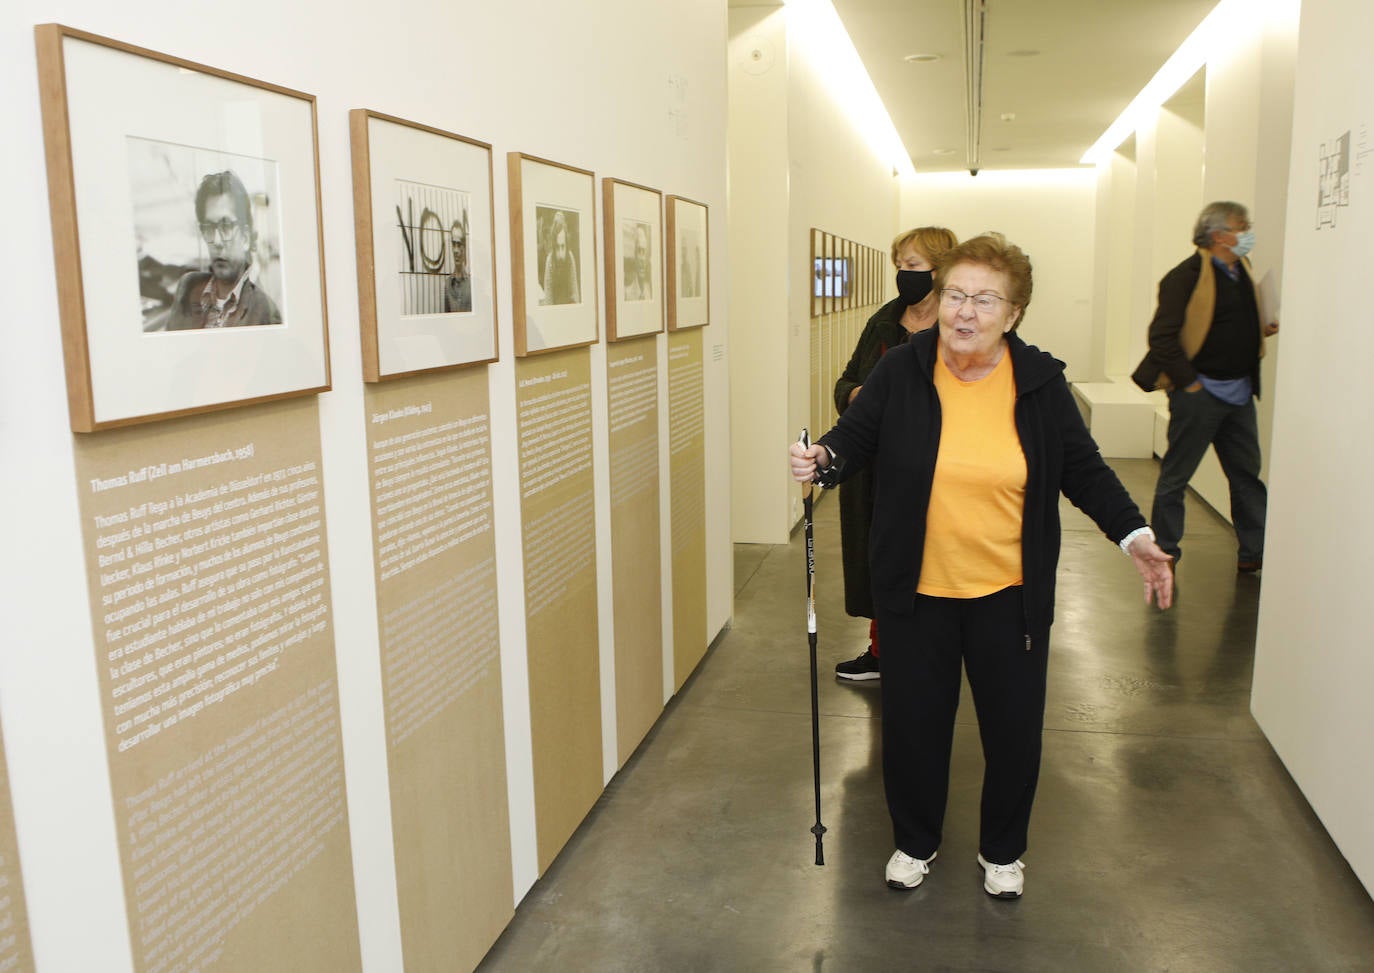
(846, 274)
(814, 284)
(634, 259)
(856, 280)
(553, 298)
(689, 263)
(425, 232)
(833, 283)
(842, 275)
(828, 279)
(825, 274)
(171, 183)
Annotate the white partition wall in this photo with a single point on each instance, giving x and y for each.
(1112, 307)
(761, 350)
(1313, 664)
(1169, 152)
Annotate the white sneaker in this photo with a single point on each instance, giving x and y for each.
(1003, 881)
(905, 872)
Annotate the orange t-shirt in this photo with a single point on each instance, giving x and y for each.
(973, 524)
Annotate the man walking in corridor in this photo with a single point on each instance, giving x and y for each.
(1206, 341)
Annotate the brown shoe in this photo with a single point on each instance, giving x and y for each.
(1249, 567)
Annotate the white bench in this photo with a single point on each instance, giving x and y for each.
(1120, 416)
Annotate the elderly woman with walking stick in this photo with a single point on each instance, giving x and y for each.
(973, 435)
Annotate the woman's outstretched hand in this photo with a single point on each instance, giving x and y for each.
(1157, 570)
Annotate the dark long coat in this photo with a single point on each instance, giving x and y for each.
(883, 331)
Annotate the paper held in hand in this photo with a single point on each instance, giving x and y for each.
(1268, 299)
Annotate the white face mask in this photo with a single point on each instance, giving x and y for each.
(1245, 242)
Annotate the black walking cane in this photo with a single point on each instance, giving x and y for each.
(817, 829)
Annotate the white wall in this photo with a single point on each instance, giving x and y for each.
(1112, 304)
(1050, 214)
(760, 353)
(1313, 664)
(649, 107)
(1168, 196)
(796, 161)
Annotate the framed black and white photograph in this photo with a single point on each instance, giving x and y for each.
(231, 247)
(634, 259)
(553, 254)
(689, 291)
(186, 232)
(424, 223)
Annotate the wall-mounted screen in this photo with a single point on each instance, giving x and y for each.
(831, 277)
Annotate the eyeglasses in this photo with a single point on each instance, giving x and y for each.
(982, 303)
(222, 231)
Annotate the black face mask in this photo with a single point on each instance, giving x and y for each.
(914, 285)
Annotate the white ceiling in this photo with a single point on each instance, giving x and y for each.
(1091, 57)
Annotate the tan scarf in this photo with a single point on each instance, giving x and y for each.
(1197, 316)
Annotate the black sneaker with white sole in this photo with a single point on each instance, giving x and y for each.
(864, 667)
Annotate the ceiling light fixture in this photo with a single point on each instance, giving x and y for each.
(921, 58)
(975, 16)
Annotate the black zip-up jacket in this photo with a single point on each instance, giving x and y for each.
(895, 424)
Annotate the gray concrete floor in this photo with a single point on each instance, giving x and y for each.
(1166, 836)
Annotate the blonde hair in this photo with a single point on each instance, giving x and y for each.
(932, 241)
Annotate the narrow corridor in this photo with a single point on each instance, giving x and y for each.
(1167, 835)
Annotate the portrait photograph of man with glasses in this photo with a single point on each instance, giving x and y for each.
(204, 260)
(222, 296)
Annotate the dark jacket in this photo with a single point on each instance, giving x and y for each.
(186, 313)
(1183, 318)
(883, 331)
(895, 425)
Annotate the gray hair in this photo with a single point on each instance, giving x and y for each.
(1216, 216)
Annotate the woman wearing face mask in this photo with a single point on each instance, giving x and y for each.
(915, 254)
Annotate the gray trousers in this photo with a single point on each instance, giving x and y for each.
(1198, 420)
